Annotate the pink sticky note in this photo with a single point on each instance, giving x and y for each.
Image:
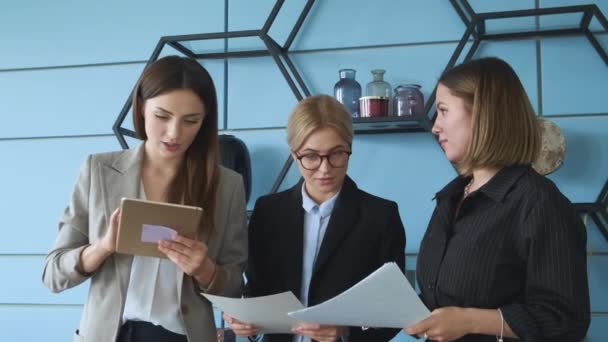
(154, 233)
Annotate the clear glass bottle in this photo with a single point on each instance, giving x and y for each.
(378, 87)
(348, 91)
(408, 100)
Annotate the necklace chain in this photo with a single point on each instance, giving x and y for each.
(467, 188)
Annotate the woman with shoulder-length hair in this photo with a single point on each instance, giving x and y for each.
(137, 298)
(504, 255)
(323, 235)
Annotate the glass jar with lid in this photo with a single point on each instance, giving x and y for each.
(408, 100)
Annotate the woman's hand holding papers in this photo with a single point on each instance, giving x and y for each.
(321, 333)
(451, 323)
(242, 329)
(444, 324)
(191, 257)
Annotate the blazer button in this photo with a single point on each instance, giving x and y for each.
(431, 286)
(184, 308)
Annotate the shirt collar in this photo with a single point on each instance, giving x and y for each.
(496, 188)
(325, 208)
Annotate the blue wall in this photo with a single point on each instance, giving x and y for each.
(67, 67)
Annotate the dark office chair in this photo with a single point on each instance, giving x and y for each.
(235, 156)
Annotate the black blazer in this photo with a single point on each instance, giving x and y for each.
(363, 233)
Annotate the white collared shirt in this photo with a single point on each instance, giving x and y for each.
(316, 218)
(152, 292)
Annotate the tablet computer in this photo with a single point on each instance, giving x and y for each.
(143, 223)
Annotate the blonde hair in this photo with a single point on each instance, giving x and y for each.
(316, 112)
(504, 128)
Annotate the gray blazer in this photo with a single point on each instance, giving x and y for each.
(106, 178)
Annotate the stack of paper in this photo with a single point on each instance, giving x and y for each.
(268, 313)
(384, 299)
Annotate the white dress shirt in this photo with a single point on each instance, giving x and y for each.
(316, 218)
(152, 292)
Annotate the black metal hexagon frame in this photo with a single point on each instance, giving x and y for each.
(476, 27)
(475, 24)
(279, 54)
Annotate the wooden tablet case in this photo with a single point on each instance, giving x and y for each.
(135, 213)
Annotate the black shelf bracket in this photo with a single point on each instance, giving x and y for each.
(597, 211)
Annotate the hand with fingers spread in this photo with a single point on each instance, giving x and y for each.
(321, 333)
(444, 324)
(191, 257)
(240, 328)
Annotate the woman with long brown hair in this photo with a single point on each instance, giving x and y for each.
(137, 298)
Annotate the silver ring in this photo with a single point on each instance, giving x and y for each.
(425, 336)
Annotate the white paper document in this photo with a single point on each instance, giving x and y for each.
(268, 313)
(384, 299)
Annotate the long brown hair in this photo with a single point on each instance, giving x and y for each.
(197, 178)
(504, 128)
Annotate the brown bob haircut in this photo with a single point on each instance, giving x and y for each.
(196, 181)
(504, 126)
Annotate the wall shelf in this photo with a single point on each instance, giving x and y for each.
(475, 32)
(388, 124)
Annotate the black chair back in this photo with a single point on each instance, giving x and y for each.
(235, 156)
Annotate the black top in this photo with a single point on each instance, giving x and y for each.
(363, 233)
(517, 244)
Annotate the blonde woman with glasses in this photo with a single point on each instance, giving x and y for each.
(323, 235)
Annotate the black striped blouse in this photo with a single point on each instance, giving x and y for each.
(517, 244)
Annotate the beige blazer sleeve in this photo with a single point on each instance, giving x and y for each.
(62, 263)
(104, 179)
(230, 248)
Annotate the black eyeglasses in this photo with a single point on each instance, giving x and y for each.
(313, 161)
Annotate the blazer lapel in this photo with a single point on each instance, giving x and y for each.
(120, 179)
(292, 243)
(343, 218)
